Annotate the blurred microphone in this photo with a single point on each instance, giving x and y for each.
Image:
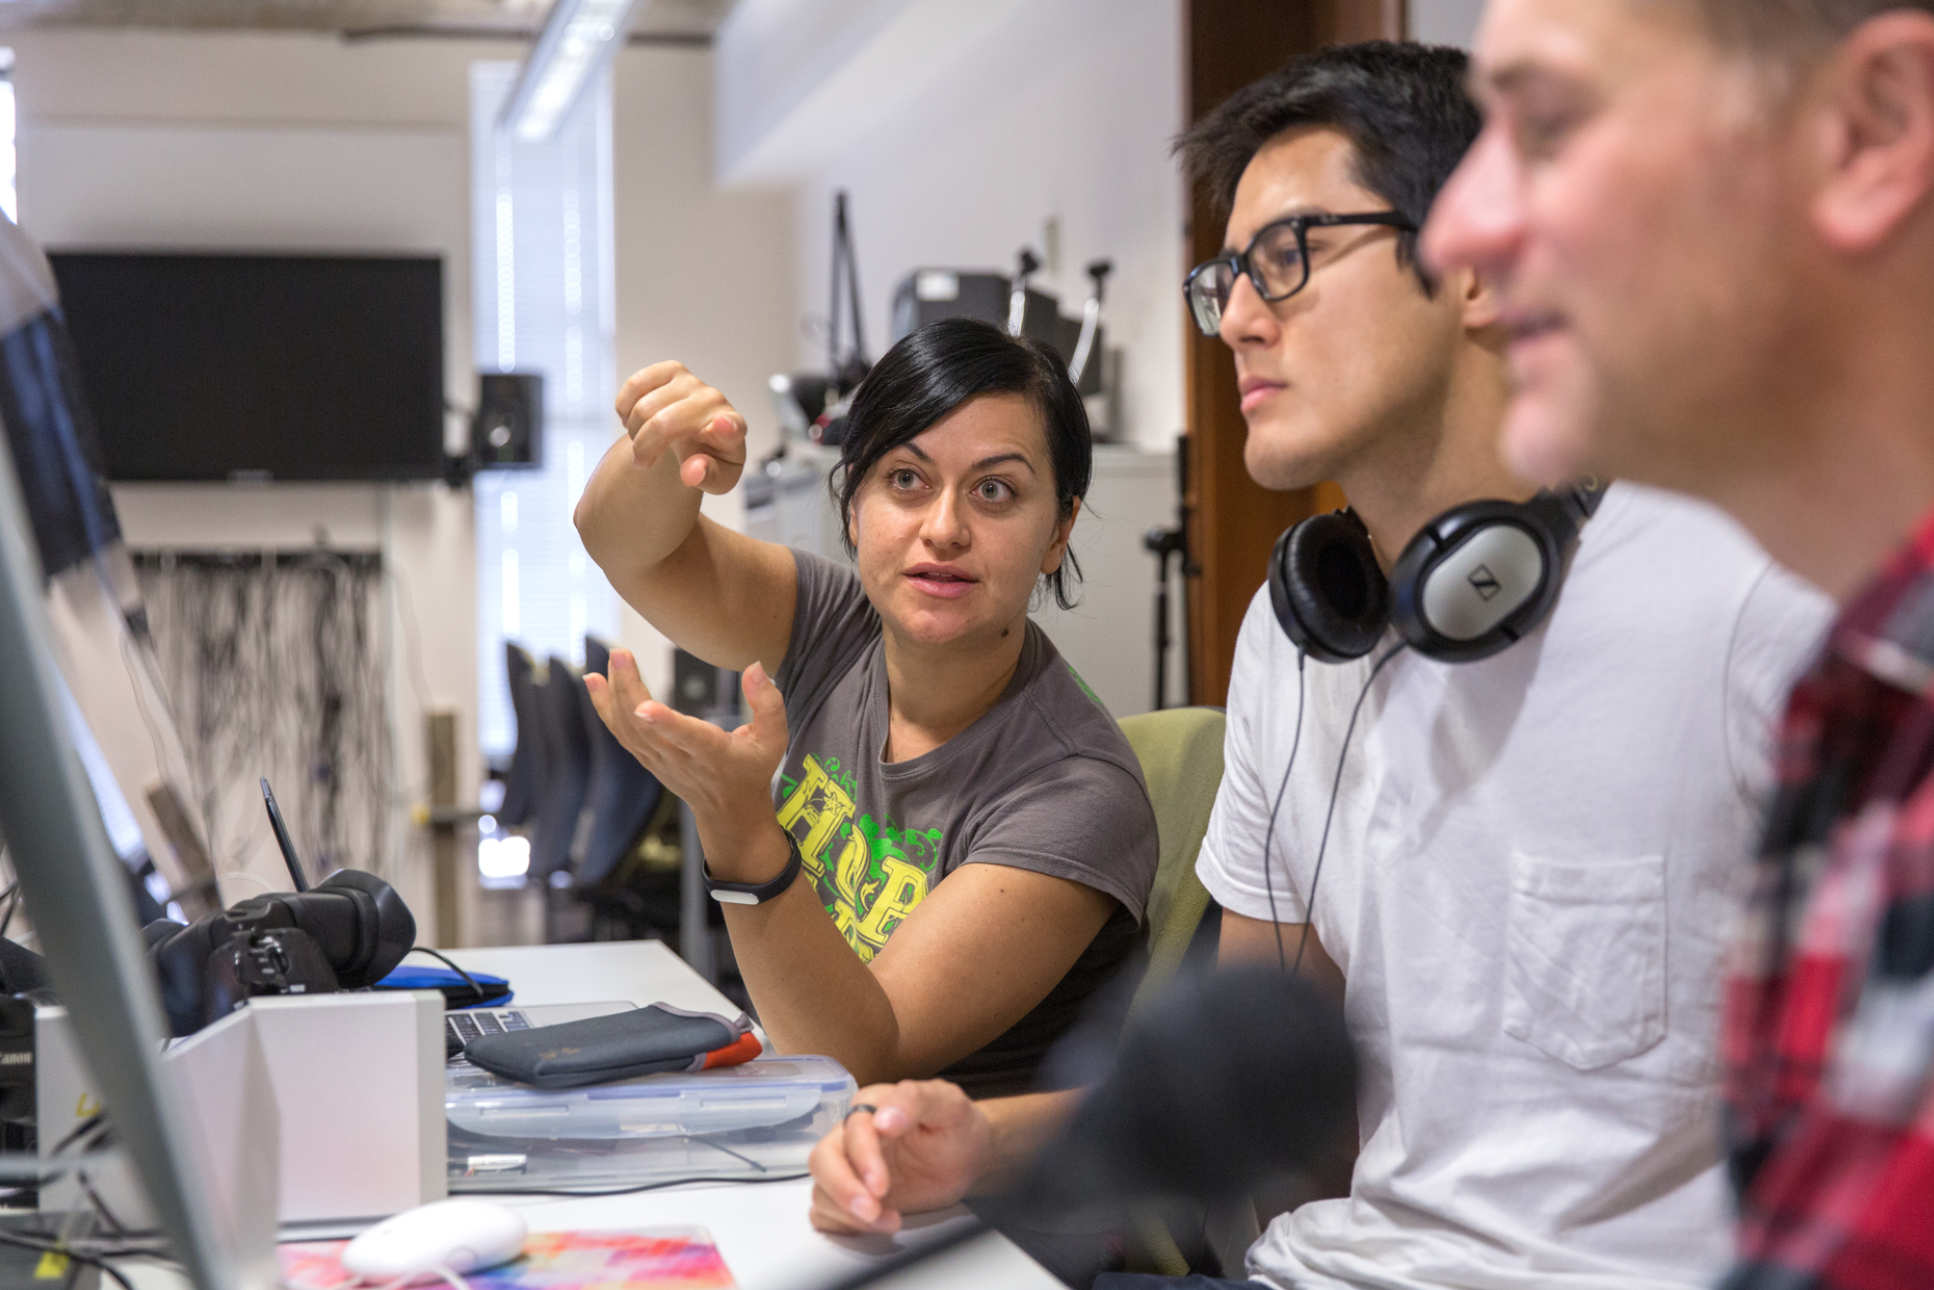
(1226, 1080)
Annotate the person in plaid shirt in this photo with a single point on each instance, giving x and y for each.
(1829, 1041)
(1712, 222)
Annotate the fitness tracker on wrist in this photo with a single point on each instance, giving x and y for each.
(757, 893)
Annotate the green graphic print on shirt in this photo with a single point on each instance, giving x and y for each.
(869, 874)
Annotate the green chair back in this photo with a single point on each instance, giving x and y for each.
(1180, 750)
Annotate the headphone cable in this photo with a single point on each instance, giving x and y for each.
(1269, 833)
(1336, 785)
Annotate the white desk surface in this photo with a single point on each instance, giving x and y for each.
(760, 1229)
(640, 971)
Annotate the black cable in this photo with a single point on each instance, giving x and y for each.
(653, 1186)
(412, 644)
(141, 658)
(107, 1269)
(1335, 785)
(124, 1244)
(468, 980)
(98, 1120)
(1269, 833)
(115, 1226)
(274, 664)
(705, 1140)
(130, 665)
(96, 1127)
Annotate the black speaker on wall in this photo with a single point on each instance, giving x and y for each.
(507, 432)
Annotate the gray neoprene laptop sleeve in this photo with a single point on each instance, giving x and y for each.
(619, 1045)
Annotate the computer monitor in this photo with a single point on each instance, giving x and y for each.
(135, 757)
(67, 871)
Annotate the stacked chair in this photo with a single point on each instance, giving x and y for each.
(564, 770)
(587, 806)
(520, 779)
(628, 897)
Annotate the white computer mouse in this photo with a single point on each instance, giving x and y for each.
(460, 1235)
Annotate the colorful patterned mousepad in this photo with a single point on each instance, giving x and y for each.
(665, 1258)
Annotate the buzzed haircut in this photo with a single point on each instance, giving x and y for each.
(1793, 23)
(1403, 106)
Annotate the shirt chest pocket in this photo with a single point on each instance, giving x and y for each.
(1584, 978)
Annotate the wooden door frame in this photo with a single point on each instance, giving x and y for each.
(1232, 522)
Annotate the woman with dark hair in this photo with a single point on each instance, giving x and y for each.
(928, 731)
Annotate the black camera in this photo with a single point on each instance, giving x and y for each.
(263, 960)
(347, 932)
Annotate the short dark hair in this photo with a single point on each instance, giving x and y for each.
(936, 369)
(1763, 23)
(1403, 107)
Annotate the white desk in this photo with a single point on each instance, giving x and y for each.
(761, 1229)
(641, 971)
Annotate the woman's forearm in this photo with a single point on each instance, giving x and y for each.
(813, 994)
(631, 516)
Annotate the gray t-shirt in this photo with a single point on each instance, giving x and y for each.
(1043, 781)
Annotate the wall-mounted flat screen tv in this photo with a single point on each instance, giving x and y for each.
(259, 367)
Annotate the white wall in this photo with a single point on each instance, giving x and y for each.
(277, 143)
(1057, 111)
(798, 78)
(704, 276)
(306, 142)
(1445, 22)
(1060, 111)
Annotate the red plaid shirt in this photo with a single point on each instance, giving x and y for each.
(1829, 1040)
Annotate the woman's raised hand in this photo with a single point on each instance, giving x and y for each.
(666, 409)
(724, 776)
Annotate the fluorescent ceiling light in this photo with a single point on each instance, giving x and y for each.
(579, 37)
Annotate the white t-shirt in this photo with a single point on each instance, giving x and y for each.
(1533, 869)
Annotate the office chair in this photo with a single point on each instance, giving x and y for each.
(564, 770)
(520, 780)
(1180, 750)
(623, 802)
(623, 795)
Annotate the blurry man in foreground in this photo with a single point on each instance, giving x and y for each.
(1711, 225)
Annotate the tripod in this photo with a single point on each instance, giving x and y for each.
(1163, 543)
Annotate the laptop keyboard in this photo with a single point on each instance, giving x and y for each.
(459, 1028)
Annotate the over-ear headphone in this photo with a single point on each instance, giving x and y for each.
(1472, 581)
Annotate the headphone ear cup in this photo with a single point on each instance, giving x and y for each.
(385, 929)
(1327, 591)
(1476, 579)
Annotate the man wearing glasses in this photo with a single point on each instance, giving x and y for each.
(1532, 856)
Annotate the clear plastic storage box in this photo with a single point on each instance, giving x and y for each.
(745, 1121)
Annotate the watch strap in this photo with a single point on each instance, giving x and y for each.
(757, 893)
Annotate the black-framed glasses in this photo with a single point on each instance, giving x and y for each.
(1276, 262)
